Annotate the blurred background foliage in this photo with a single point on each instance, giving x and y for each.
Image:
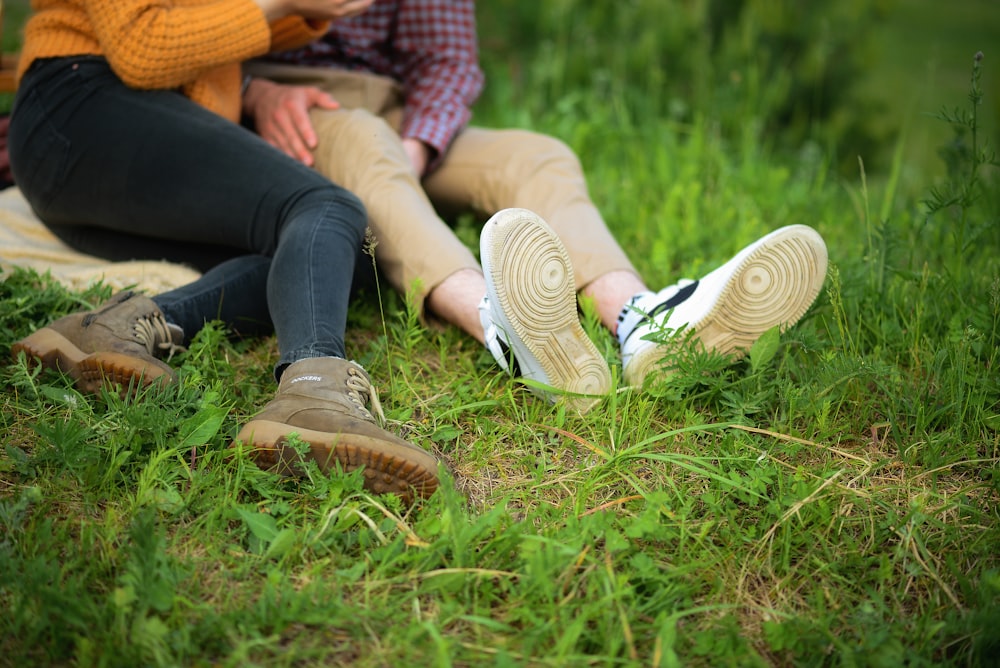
(844, 77)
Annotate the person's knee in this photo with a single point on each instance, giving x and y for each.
(330, 204)
(350, 210)
(346, 137)
(536, 154)
(365, 121)
(350, 202)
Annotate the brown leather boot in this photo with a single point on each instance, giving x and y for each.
(116, 344)
(323, 400)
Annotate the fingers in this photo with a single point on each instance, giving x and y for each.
(333, 10)
(283, 119)
(322, 100)
(293, 132)
(355, 7)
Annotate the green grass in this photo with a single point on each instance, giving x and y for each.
(830, 500)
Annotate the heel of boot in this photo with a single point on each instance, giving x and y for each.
(123, 373)
(389, 466)
(51, 349)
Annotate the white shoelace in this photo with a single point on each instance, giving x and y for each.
(152, 331)
(361, 392)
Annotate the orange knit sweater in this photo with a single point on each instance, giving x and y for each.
(193, 45)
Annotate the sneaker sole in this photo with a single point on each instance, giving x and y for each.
(530, 280)
(388, 468)
(89, 371)
(775, 284)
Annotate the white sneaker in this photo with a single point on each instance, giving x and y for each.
(773, 281)
(529, 312)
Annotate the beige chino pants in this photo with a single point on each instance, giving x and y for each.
(483, 171)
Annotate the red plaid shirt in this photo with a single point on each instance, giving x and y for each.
(428, 46)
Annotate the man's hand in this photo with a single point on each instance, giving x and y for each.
(418, 153)
(282, 115)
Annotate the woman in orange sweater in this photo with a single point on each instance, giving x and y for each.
(124, 139)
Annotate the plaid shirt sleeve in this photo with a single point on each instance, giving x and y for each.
(438, 66)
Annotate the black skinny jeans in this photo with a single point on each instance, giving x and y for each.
(122, 173)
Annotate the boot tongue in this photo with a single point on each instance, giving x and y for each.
(115, 301)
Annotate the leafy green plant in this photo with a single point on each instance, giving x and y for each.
(965, 157)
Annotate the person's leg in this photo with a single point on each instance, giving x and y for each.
(154, 164)
(232, 291)
(415, 249)
(359, 148)
(456, 298)
(530, 313)
(770, 283)
(489, 170)
(415, 244)
(116, 246)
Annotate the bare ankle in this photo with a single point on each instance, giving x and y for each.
(610, 292)
(456, 300)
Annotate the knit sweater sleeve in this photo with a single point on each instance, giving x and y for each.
(156, 44)
(292, 32)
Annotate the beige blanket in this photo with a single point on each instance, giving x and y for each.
(26, 242)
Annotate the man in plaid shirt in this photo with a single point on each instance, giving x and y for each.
(381, 106)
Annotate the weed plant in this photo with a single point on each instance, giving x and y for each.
(832, 499)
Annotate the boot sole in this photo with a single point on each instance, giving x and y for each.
(530, 281)
(89, 371)
(774, 285)
(388, 468)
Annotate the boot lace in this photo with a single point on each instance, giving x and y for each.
(361, 393)
(151, 330)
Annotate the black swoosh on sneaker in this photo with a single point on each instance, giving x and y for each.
(680, 296)
(512, 365)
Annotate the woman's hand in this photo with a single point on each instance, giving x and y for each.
(331, 10)
(281, 114)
